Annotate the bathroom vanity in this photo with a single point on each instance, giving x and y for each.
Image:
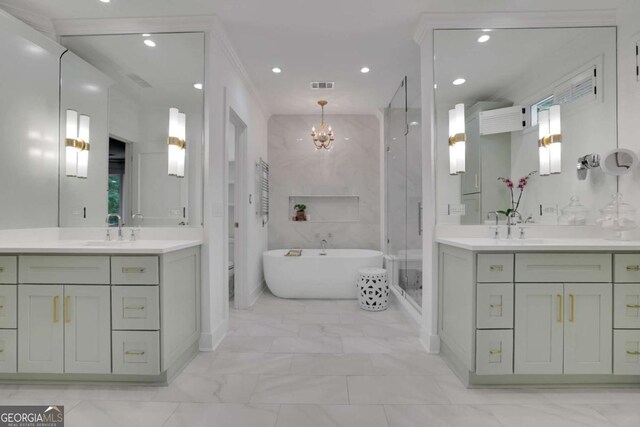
(98, 311)
(540, 311)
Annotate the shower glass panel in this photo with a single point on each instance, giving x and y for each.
(403, 176)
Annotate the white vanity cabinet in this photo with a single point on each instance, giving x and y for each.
(518, 317)
(131, 318)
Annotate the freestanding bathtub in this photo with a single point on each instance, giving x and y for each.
(330, 276)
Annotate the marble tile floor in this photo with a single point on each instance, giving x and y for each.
(293, 363)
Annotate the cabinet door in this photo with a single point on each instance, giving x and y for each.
(588, 328)
(87, 330)
(538, 328)
(40, 329)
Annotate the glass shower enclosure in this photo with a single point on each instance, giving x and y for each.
(403, 182)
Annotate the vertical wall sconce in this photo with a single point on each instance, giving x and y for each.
(83, 155)
(457, 140)
(77, 144)
(550, 141)
(176, 142)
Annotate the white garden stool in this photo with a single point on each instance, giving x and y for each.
(373, 289)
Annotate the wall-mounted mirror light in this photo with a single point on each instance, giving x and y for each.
(77, 144)
(619, 161)
(457, 140)
(177, 142)
(550, 141)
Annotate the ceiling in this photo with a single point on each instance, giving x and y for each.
(328, 41)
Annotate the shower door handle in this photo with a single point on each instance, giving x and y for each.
(419, 218)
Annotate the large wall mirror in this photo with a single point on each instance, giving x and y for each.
(138, 99)
(513, 101)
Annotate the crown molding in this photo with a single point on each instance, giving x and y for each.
(34, 20)
(584, 18)
(232, 56)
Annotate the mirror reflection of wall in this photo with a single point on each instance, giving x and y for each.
(127, 89)
(516, 75)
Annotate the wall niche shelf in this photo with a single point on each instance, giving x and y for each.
(327, 208)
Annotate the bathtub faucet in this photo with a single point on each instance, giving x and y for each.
(323, 243)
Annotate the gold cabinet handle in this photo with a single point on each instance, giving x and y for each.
(633, 305)
(134, 353)
(633, 353)
(1, 307)
(55, 309)
(133, 270)
(1, 350)
(496, 268)
(1, 269)
(572, 315)
(560, 304)
(633, 267)
(495, 352)
(66, 309)
(139, 307)
(495, 305)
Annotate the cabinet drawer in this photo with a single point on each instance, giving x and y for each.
(626, 306)
(135, 307)
(8, 306)
(626, 268)
(68, 270)
(8, 351)
(495, 268)
(494, 352)
(494, 308)
(8, 269)
(563, 268)
(139, 270)
(136, 352)
(626, 352)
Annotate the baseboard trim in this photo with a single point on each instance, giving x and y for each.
(211, 341)
(431, 343)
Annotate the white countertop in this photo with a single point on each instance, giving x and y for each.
(539, 244)
(97, 246)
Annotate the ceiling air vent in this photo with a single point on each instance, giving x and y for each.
(322, 85)
(139, 80)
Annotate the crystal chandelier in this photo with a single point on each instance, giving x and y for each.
(323, 138)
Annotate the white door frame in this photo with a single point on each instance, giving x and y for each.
(241, 215)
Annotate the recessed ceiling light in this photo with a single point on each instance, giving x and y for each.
(198, 85)
(146, 35)
(346, 138)
(150, 43)
(105, 1)
(458, 82)
(276, 70)
(414, 123)
(364, 70)
(484, 38)
(486, 30)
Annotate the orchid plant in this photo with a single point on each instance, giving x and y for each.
(515, 203)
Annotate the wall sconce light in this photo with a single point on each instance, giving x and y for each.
(77, 144)
(457, 140)
(550, 141)
(177, 144)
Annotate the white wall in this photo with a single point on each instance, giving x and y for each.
(85, 89)
(629, 97)
(226, 87)
(28, 126)
(351, 168)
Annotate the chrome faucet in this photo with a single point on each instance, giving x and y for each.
(496, 230)
(323, 243)
(511, 222)
(136, 218)
(109, 216)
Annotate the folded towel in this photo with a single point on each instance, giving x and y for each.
(294, 252)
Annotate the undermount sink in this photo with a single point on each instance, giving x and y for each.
(521, 241)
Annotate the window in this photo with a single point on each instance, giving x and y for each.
(543, 104)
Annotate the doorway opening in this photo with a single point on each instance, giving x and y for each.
(118, 180)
